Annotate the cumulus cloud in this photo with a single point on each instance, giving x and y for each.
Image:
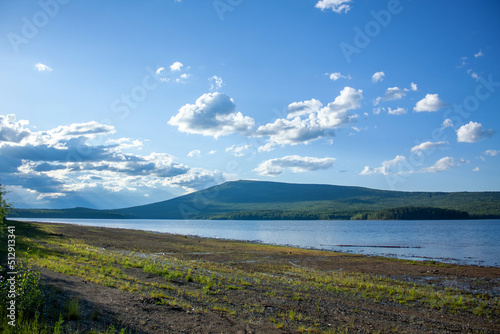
(428, 145)
(213, 114)
(178, 73)
(447, 123)
(309, 120)
(176, 66)
(378, 76)
(74, 161)
(473, 132)
(394, 93)
(337, 75)
(216, 83)
(492, 153)
(431, 102)
(399, 166)
(294, 163)
(397, 111)
(196, 179)
(237, 151)
(194, 154)
(413, 87)
(303, 108)
(43, 68)
(12, 130)
(337, 6)
(387, 167)
(441, 165)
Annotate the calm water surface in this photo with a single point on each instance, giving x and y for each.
(453, 241)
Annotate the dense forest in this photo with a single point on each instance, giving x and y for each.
(413, 213)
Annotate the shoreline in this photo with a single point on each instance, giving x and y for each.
(341, 248)
(207, 285)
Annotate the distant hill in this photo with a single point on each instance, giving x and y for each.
(274, 200)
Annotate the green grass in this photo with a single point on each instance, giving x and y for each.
(210, 286)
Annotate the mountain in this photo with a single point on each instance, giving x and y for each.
(274, 200)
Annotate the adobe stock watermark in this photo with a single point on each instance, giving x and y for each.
(123, 105)
(457, 114)
(121, 109)
(31, 26)
(223, 6)
(372, 29)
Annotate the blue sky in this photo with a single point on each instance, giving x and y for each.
(119, 103)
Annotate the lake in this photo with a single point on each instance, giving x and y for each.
(475, 242)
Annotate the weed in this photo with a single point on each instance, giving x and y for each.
(58, 325)
(72, 309)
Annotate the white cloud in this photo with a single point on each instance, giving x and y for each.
(378, 76)
(294, 163)
(124, 144)
(176, 66)
(196, 179)
(303, 108)
(441, 165)
(376, 102)
(473, 74)
(291, 132)
(357, 129)
(430, 102)
(12, 130)
(397, 166)
(216, 83)
(462, 62)
(397, 111)
(194, 154)
(473, 132)
(43, 68)
(70, 162)
(413, 87)
(317, 122)
(336, 113)
(337, 75)
(237, 151)
(378, 111)
(447, 123)
(492, 153)
(393, 93)
(428, 145)
(387, 167)
(178, 73)
(337, 6)
(479, 54)
(213, 114)
(476, 169)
